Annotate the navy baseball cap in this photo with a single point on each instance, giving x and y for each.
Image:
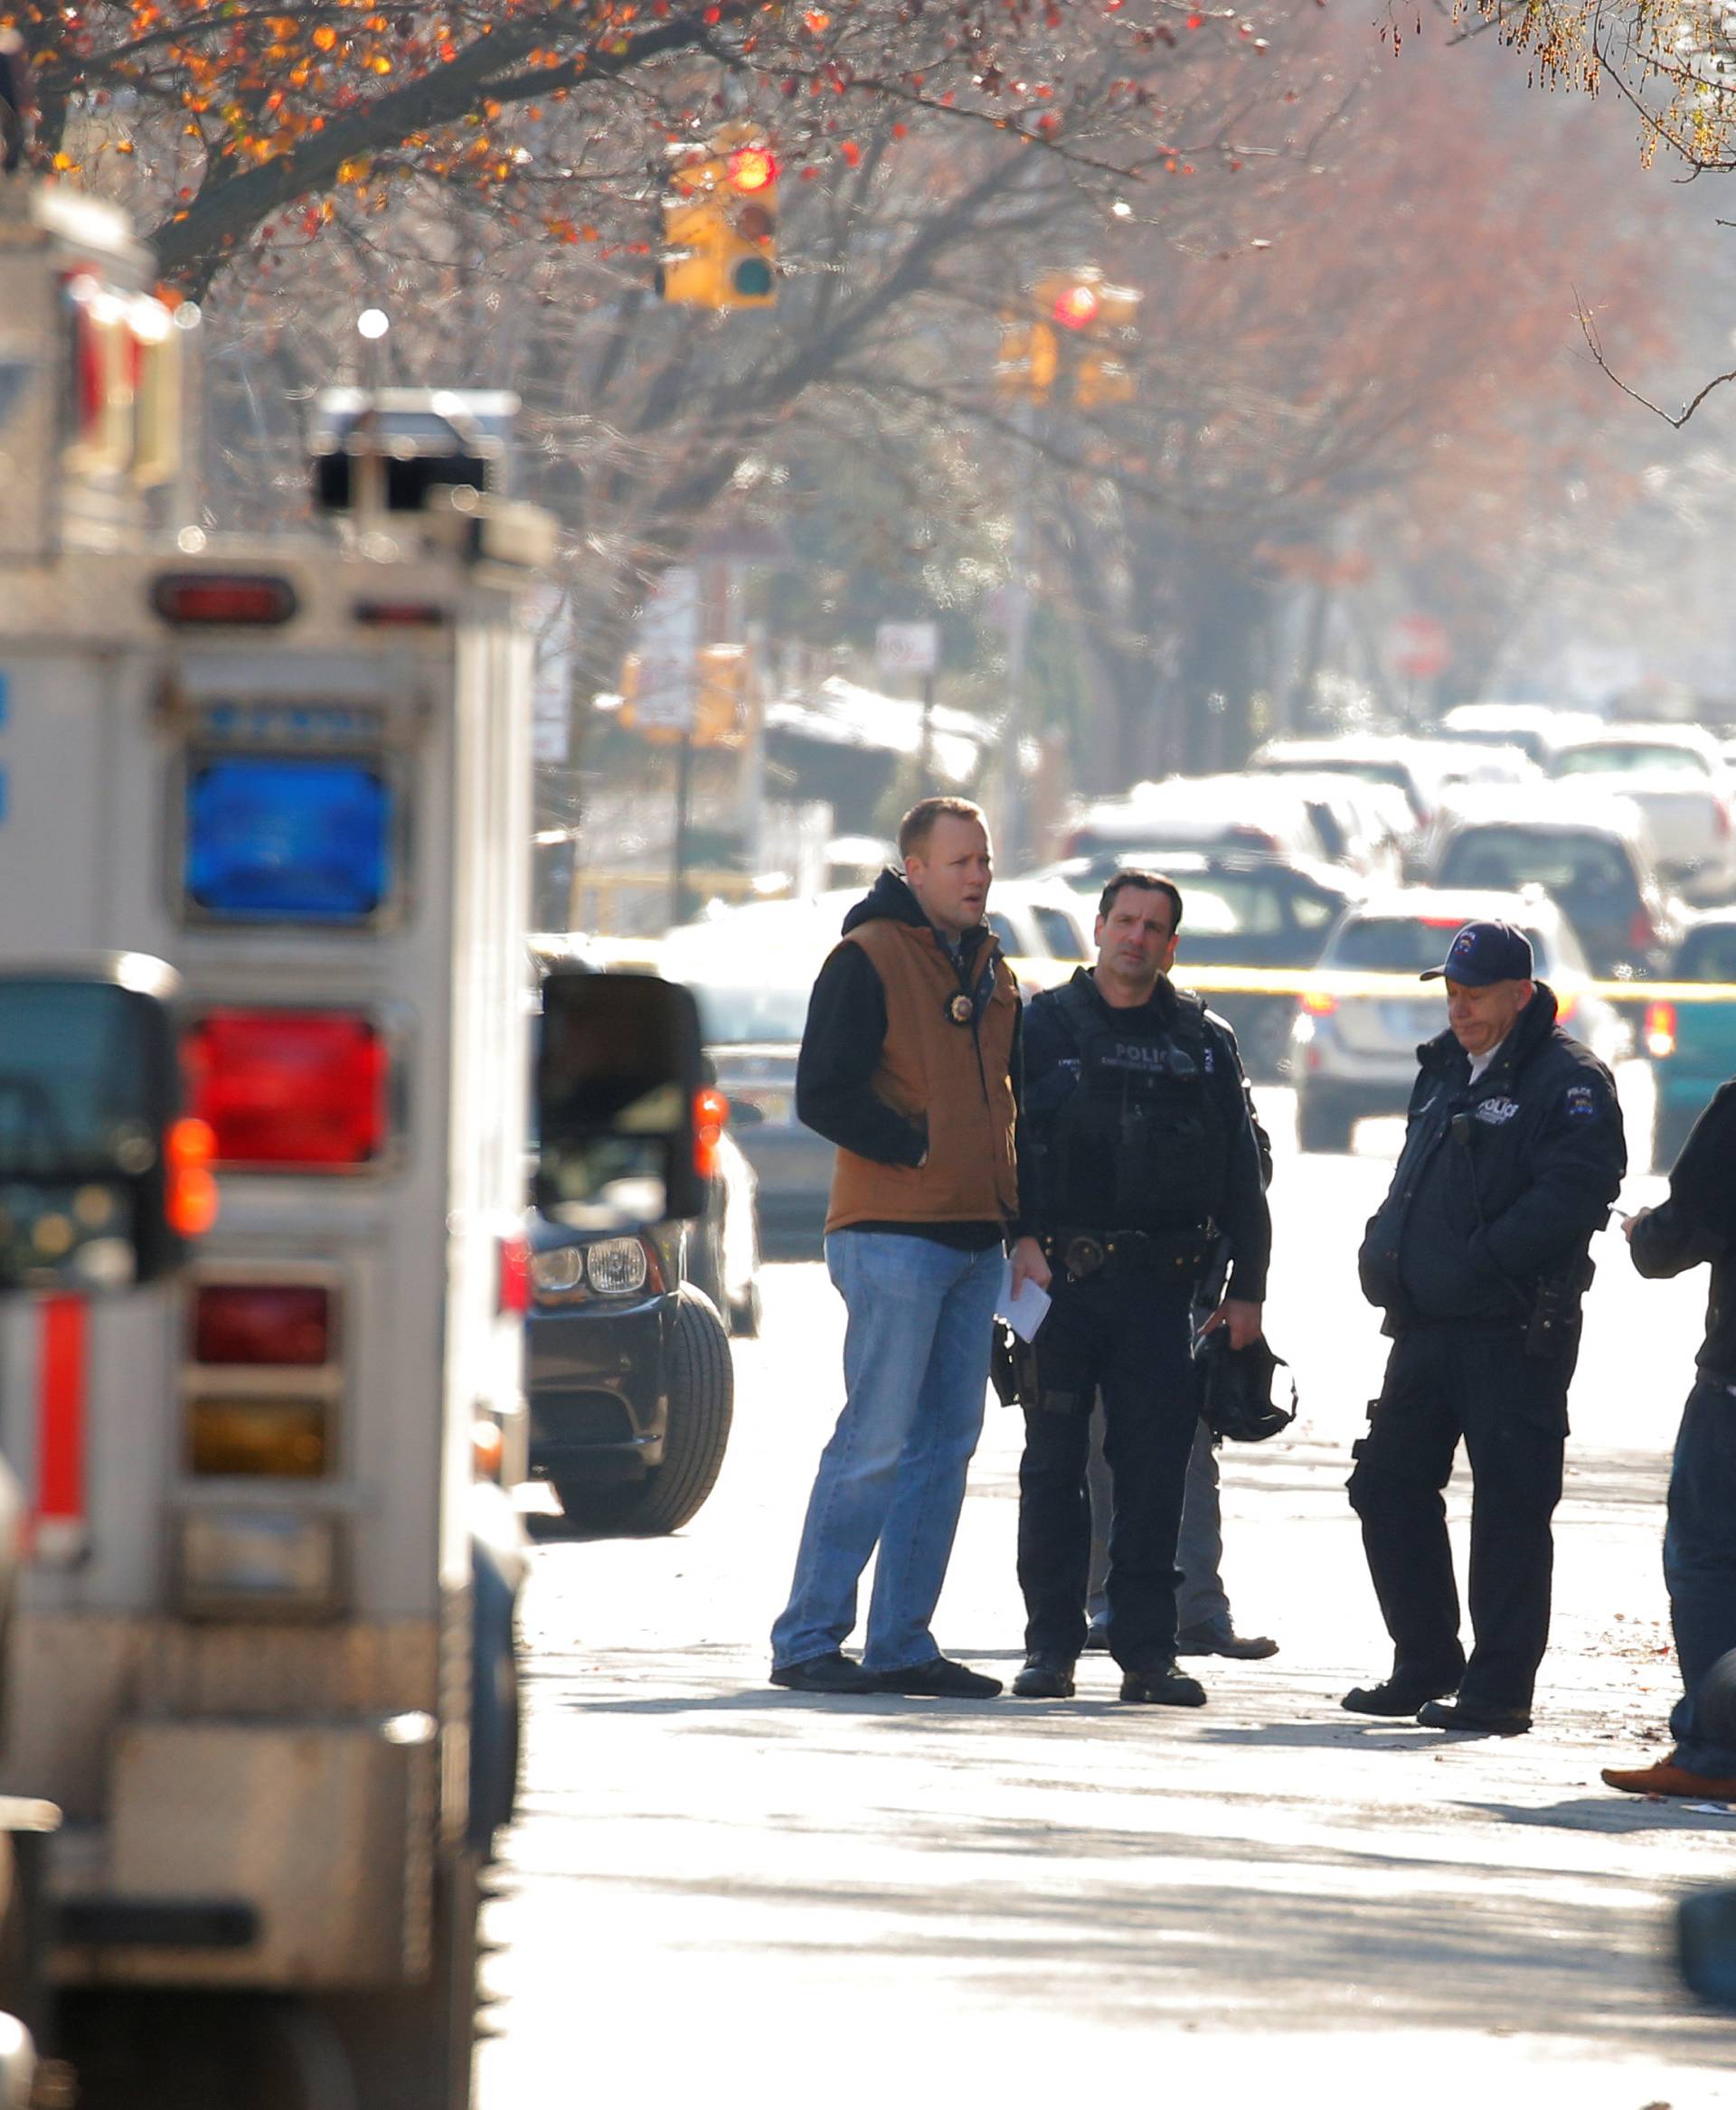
(1483, 953)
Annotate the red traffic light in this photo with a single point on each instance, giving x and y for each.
(1076, 307)
(752, 168)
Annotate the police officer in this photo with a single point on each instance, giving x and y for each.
(1141, 1145)
(1513, 1154)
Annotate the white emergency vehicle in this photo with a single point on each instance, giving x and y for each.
(264, 1654)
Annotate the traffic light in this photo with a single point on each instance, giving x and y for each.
(1066, 332)
(720, 226)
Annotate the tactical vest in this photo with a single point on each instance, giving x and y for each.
(1134, 1145)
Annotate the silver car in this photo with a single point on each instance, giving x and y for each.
(1353, 1055)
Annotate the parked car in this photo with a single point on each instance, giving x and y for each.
(628, 1371)
(1239, 912)
(1229, 813)
(1675, 775)
(628, 1378)
(1589, 854)
(1355, 1055)
(1537, 729)
(1424, 771)
(1692, 1042)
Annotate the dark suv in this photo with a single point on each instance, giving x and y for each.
(628, 1371)
(629, 1380)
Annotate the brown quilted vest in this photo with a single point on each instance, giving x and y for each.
(930, 1068)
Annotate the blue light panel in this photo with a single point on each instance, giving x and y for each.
(288, 839)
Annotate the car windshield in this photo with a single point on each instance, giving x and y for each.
(1573, 867)
(733, 1011)
(1230, 905)
(1613, 757)
(1708, 955)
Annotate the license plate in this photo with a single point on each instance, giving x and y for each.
(1408, 1021)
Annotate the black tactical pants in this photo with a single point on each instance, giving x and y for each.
(1124, 1331)
(1444, 1381)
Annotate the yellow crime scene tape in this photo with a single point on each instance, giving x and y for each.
(641, 955)
(1352, 981)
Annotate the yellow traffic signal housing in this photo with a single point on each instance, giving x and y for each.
(1073, 322)
(720, 226)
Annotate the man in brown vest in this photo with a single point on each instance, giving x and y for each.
(909, 1064)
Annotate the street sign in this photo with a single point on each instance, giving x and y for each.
(1419, 647)
(666, 695)
(907, 648)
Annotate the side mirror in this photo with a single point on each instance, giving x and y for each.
(618, 1067)
(101, 1183)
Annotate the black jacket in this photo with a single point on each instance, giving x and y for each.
(1500, 1183)
(1241, 1214)
(841, 1045)
(1697, 1222)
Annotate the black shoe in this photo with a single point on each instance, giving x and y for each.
(1397, 1697)
(939, 1679)
(1162, 1685)
(1045, 1677)
(833, 1673)
(1097, 1638)
(1218, 1638)
(1480, 1717)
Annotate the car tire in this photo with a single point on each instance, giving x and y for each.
(702, 1407)
(1323, 1122)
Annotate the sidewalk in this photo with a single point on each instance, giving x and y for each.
(722, 1888)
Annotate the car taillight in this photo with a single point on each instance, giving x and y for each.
(1660, 1030)
(240, 1323)
(711, 1111)
(1641, 935)
(290, 1090)
(1721, 820)
(1317, 1004)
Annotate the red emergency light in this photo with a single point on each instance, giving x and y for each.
(290, 1090)
(193, 600)
(262, 1322)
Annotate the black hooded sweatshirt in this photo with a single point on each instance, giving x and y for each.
(841, 1045)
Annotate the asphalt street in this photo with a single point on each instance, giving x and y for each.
(719, 1888)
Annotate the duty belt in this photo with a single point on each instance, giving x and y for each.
(1086, 1253)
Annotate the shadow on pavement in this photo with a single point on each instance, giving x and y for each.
(1612, 1812)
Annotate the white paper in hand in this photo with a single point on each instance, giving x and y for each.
(1026, 1311)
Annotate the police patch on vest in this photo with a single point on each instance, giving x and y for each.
(1496, 1111)
(1580, 1103)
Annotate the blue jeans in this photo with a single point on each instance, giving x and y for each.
(1700, 1563)
(915, 1371)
